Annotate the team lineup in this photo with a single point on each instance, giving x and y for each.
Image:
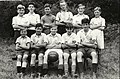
(67, 35)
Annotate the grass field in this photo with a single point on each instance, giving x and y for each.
(109, 68)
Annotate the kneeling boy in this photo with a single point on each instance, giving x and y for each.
(38, 48)
(86, 46)
(69, 48)
(22, 47)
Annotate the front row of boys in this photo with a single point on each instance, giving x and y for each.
(68, 44)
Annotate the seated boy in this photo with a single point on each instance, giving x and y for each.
(22, 48)
(69, 48)
(38, 48)
(86, 46)
(53, 41)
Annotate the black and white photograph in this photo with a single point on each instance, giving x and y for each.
(59, 39)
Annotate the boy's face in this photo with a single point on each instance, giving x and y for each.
(23, 33)
(97, 13)
(31, 8)
(21, 11)
(53, 30)
(86, 27)
(47, 10)
(38, 30)
(81, 10)
(63, 6)
(69, 30)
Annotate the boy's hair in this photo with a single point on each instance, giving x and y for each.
(23, 30)
(69, 26)
(39, 25)
(47, 5)
(85, 21)
(81, 5)
(97, 8)
(20, 6)
(31, 3)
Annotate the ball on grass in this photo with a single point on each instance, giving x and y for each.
(53, 56)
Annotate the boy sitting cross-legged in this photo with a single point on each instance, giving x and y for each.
(38, 48)
(69, 48)
(22, 48)
(86, 47)
(53, 41)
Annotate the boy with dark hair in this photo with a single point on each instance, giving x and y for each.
(48, 19)
(32, 17)
(38, 48)
(69, 48)
(86, 47)
(19, 22)
(22, 48)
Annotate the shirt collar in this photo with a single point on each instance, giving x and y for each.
(87, 32)
(31, 14)
(22, 37)
(80, 15)
(38, 35)
(20, 16)
(52, 35)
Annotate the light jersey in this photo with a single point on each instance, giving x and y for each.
(64, 16)
(38, 39)
(17, 20)
(53, 40)
(77, 19)
(33, 19)
(48, 19)
(69, 38)
(85, 37)
(23, 41)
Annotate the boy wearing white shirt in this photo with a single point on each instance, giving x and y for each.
(33, 18)
(19, 22)
(69, 48)
(62, 17)
(86, 47)
(78, 18)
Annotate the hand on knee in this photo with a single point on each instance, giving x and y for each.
(33, 56)
(25, 57)
(19, 57)
(40, 56)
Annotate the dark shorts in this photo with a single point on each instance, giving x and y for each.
(16, 34)
(86, 51)
(69, 51)
(37, 50)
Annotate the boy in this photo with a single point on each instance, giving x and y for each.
(22, 48)
(69, 48)
(33, 18)
(62, 17)
(53, 41)
(48, 19)
(78, 18)
(38, 48)
(98, 25)
(19, 22)
(86, 47)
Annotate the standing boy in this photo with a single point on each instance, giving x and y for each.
(19, 22)
(69, 48)
(62, 17)
(86, 47)
(33, 18)
(48, 19)
(22, 48)
(38, 48)
(53, 41)
(78, 18)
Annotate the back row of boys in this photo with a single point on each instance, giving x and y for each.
(86, 39)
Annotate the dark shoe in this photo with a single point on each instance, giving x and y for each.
(60, 67)
(45, 66)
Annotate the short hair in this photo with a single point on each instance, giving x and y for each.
(20, 6)
(39, 25)
(31, 3)
(85, 20)
(81, 5)
(69, 26)
(97, 8)
(23, 30)
(47, 5)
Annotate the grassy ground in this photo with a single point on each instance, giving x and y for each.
(109, 68)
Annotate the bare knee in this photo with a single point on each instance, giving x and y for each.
(25, 56)
(73, 55)
(19, 57)
(66, 56)
(40, 55)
